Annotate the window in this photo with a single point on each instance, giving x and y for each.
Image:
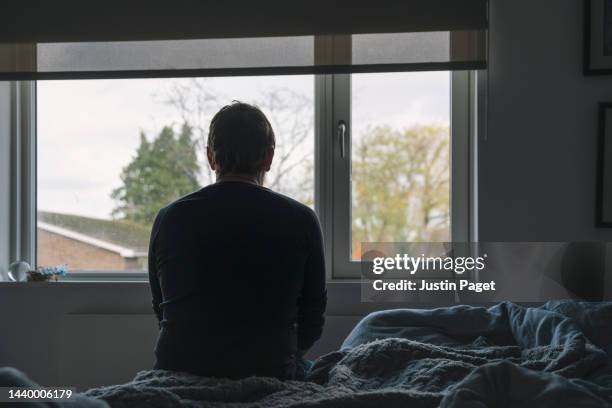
(372, 153)
(400, 158)
(111, 153)
(376, 144)
(401, 161)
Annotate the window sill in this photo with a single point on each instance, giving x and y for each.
(107, 277)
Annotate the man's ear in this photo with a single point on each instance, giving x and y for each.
(211, 159)
(267, 162)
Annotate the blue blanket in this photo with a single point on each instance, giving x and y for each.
(502, 324)
(560, 351)
(462, 356)
(557, 355)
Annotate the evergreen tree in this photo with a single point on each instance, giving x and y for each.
(162, 171)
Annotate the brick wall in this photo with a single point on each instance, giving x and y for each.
(55, 249)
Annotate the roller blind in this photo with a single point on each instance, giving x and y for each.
(69, 39)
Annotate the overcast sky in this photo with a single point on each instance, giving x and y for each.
(88, 130)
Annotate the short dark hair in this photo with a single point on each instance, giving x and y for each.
(239, 137)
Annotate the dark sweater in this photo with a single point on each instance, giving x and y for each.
(237, 275)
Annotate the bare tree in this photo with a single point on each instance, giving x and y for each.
(290, 113)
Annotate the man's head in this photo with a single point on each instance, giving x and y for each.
(240, 141)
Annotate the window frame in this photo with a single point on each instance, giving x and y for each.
(331, 173)
(21, 158)
(463, 187)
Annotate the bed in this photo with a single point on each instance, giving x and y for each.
(506, 355)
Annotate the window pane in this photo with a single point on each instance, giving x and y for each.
(400, 148)
(112, 152)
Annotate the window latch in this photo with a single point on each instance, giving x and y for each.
(342, 137)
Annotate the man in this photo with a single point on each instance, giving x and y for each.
(237, 271)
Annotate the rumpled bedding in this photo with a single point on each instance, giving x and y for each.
(462, 356)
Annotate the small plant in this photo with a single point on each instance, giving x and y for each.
(46, 274)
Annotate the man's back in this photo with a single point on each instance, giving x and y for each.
(233, 268)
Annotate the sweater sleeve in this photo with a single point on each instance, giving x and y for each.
(313, 297)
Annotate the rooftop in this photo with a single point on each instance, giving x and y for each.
(118, 235)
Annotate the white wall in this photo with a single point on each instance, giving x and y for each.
(537, 182)
(538, 166)
(41, 334)
(34, 317)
